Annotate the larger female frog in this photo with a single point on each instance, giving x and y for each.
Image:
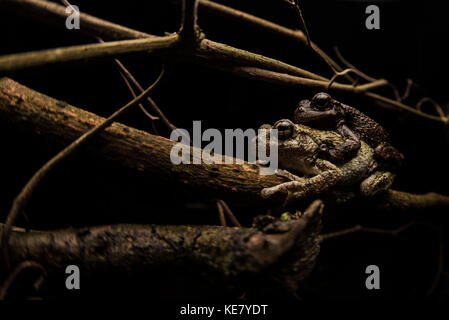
(301, 159)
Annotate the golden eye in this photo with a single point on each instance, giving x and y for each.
(285, 128)
(321, 101)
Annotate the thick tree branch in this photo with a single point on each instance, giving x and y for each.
(404, 201)
(212, 250)
(127, 146)
(25, 108)
(24, 196)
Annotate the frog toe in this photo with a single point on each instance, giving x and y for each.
(378, 182)
(267, 192)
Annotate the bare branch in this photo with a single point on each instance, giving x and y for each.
(351, 66)
(223, 51)
(221, 213)
(150, 155)
(229, 213)
(23, 197)
(402, 106)
(295, 81)
(265, 25)
(75, 53)
(226, 252)
(433, 103)
(189, 31)
(50, 12)
(22, 266)
(359, 228)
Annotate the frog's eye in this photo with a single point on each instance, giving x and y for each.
(285, 128)
(321, 101)
(304, 103)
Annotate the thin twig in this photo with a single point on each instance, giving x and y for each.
(229, 213)
(359, 228)
(151, 154)
(13, 275)
(407, 89)
(221, 214)
(150, 116)
(400, 105)
(40, 58)
(23, 197)
(115, 31)
(339, 74)
(433, 103)
(364, 75)
(130, 88)
(295, 81)
(295, 4)
(127, 76)
(351, 66)
(249, 19)
(189, 31)
(153, 104)
(124, 72)
(319, 53)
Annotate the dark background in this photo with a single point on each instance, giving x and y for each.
(411, 43)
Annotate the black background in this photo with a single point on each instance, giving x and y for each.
(410, 44)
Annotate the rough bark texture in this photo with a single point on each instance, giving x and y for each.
(39, 114)
(126, 146)
(285, 251)
(403, 201)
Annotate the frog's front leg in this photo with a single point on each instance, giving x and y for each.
(299, 188)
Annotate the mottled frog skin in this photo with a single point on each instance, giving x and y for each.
(352, 125)
(301, 159)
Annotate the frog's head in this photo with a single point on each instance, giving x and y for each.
(295, 143)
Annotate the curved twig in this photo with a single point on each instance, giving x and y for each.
(13, 275)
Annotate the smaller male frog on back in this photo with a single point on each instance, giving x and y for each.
(300, 152)
(351, 124)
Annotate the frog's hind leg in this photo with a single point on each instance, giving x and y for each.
(288, 175)
(378, 182)
(300, 188)
(286, 187)
(388, 156)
